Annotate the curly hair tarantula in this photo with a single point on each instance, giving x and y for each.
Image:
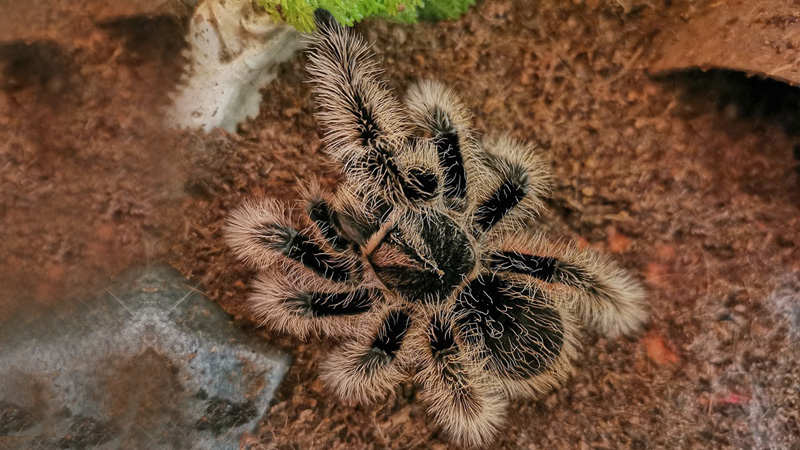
(422, 261)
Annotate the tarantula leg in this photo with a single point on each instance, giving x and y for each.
(369, 367)
(366, 127)
(526, 337)
(609, 298)
(460, 397)
(359, 218)
(356, 108)
(420, 181)
(437, 110)
(327, 221)
(363, 121)
(545, 268)
(261, 233)
(301, 247)
(523, 180)
(303, 304)
(325, 217)
(511, 192)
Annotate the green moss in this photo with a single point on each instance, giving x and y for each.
(444, 9)
(300, 13)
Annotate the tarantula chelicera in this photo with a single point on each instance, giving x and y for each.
(423, 260)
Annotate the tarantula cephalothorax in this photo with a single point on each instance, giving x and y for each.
(423, 260)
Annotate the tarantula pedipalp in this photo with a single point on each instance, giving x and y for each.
(423, 259)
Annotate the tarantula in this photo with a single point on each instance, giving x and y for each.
(423, 260)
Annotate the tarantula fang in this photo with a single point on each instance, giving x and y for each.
(423, 260)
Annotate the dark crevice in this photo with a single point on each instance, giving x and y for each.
(42, 65)
(737, 96)
(145, 39)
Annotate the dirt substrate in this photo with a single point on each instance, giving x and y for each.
(688, 185)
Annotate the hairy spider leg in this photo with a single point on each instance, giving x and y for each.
(261, 233)
(327, 221)
(441, 115)
(304, 287)
(522, 179)
(525, 336)
(605, 295)
(303, 305)
(367, 129)
(325, 217)
(460, 396)
(369, 366)
(359, 218)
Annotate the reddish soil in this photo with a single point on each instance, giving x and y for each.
(695, 197)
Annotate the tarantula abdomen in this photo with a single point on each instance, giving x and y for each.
(518, 329)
